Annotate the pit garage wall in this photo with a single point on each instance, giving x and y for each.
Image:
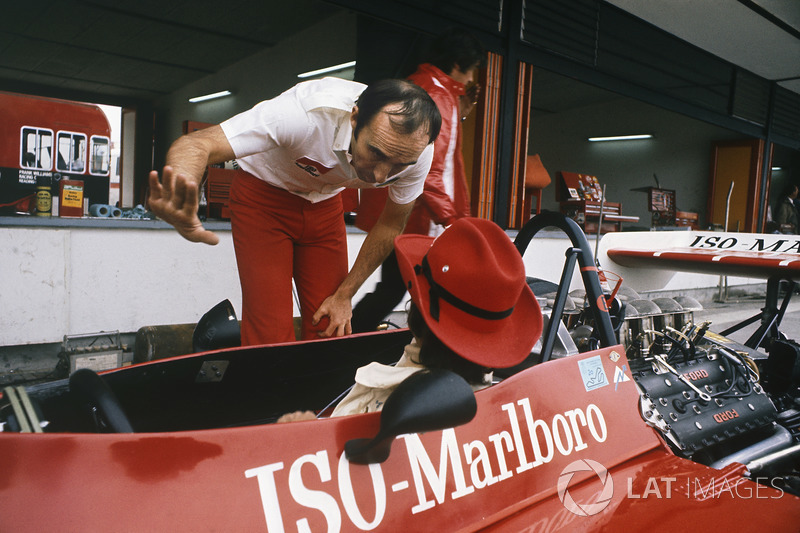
(79, 280)
(68, 281)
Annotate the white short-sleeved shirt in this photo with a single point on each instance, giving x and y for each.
(299, 141)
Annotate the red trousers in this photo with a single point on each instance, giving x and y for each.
(278, 236)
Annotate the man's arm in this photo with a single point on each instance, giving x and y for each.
(377, 246)
(174, 199)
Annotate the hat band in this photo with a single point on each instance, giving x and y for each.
(436, 291)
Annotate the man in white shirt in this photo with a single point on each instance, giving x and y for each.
(300, 150)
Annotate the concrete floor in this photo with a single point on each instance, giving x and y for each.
(734, 310)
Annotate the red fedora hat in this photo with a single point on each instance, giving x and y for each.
(469, 285)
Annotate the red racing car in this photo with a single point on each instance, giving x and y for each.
(676, 429)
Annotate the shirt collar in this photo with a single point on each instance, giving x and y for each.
(449, 83)
(344, 133)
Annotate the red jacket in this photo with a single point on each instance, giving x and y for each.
(434, 204)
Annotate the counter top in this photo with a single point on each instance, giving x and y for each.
(32, 221)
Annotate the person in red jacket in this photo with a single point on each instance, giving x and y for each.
(453, 60)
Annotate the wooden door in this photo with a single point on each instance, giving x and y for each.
(738, 163)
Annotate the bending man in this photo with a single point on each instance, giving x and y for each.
(300, 150)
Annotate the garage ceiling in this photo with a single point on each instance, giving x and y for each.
(762, 36)
(142, 49)
(125, 50)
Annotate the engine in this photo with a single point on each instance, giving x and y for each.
(703, 401)
(713, 400)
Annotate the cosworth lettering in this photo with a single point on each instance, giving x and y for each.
(759, 244)
(467, 467)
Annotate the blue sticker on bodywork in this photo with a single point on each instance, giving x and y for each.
(592, 373)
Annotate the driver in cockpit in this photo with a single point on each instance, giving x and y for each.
(471, 311)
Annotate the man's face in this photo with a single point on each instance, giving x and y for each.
(464, 77)
(380, 151)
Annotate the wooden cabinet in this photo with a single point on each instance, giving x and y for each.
(216, 186)
(579, 197)
(587, 214)
(217, 190)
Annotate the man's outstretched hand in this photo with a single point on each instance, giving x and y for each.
(339, 310)
(175, 200)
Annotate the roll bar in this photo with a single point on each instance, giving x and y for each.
(591, 282)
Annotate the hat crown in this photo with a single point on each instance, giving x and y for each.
(476, 262)
(470, 288)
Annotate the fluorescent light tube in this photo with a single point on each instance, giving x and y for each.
(620, 138)
(327, 69)
(209, 96)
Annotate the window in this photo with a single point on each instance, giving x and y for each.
(36, 148)
(71, 152)
(100, 158)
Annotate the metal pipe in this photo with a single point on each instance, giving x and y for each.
(780, 439)
(599, 224)
(100, 210)
(723, 280)
(551, 331)
(728, 205)
(768, 460)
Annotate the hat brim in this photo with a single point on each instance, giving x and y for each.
(490, 343)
